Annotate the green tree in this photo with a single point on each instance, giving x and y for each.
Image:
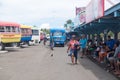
(47, 31)
(41, 29)
(34, 26)
(69, 21)
(65, 25)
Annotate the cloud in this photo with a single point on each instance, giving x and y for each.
(36, 11)
(45, 26)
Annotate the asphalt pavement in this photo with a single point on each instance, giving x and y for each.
(36, 63)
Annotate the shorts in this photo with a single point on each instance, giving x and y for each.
(71, 52)
(111, 58)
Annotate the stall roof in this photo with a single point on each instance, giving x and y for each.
(3, 23)
(110, 20)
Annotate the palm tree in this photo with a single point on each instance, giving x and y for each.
(69, 21)
(65, 26)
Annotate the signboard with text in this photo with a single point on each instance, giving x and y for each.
(94, 10)
(80, 13)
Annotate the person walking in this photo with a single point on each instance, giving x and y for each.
(51, 44)
(83, 44)
(73, 47)
(41, 37)
(44, 39)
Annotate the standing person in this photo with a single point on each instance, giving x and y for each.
(41, 37)
(83, 44)
(45, 39)
(73, 47)
(51, 42)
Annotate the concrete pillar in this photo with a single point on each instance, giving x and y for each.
(116, 35)
(88, 36)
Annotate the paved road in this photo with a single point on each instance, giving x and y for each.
(35, 63)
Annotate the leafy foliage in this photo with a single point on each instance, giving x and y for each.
(47, 31)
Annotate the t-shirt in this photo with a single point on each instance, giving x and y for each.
(83, 43)
(41, 37)
(73, 44)
(110, 43)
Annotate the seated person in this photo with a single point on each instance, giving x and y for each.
(117, 59)
(96, 52)
(102, 53)
(110, 56)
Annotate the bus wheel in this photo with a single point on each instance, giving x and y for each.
(2, 46)
(28, 43)
(18, 44)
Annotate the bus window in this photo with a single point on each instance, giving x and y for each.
(8, 29)
(2, 29)
(35, 32)
(26, 31)
(17, 29)
(64, 34)
(57, 34)
(22, 31)
(13, 29)
(29, 31)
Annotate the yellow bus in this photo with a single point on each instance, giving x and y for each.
(26, 32)
(10, 34)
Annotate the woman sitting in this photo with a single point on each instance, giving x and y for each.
(102, 52)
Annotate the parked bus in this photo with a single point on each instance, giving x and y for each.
(10, 34)
(35, 35)
(26, 32)
(58, 35)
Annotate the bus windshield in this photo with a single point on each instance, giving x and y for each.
(35, 32)
(57, 34)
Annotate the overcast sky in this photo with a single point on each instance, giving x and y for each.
(38, 12)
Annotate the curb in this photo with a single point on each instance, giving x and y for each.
(2, 52)
(101, 65)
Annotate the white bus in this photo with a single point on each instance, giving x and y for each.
(35, 35)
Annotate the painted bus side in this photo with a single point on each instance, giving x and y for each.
(26, 32)
(9, 34)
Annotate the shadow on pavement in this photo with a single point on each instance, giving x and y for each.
(100, 73)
